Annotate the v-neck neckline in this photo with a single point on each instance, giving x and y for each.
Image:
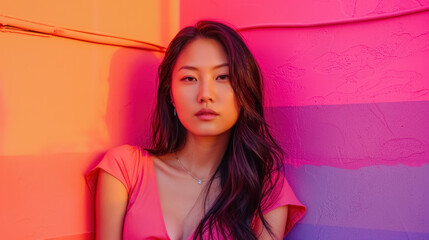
(158, 200)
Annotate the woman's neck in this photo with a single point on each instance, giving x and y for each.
(202, 154)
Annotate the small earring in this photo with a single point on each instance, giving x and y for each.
(174, 111)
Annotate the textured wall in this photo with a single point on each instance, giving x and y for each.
(348, 97)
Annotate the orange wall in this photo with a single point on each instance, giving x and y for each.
(63, 102)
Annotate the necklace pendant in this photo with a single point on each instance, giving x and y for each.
(200, 181)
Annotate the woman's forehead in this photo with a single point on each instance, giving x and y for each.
(202, 53)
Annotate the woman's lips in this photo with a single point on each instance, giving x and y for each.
(206, 114)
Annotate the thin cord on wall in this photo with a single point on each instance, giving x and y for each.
(337, 22)
(17, 25)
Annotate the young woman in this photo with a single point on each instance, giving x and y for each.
(213, 170)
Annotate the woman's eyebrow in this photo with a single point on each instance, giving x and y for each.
(195, 68)
(221, 65)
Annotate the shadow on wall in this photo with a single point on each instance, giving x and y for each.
(2, 117)
(131, 98)
(132, 85)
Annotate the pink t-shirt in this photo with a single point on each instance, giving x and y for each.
(133, 167)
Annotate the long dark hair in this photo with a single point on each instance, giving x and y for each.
(248, 170)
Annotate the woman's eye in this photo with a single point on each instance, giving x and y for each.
(223, 77)
(188, 79)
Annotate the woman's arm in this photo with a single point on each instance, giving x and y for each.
(277, 219)
(111, 201)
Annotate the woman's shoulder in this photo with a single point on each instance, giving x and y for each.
(127, 153)
(127, 149)
(125, 162)
(126, 158)
(283, 195)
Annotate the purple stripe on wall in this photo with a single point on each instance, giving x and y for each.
(320, 232)
(393, 198)
(354, 135)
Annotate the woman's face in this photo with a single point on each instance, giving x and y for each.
(201, 89)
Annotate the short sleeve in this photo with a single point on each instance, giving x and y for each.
(283, 195)
(121, 162)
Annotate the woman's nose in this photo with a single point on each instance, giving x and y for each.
(206, 91)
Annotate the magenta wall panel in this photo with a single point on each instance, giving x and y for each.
(375, 202)
(347, 95)
(351, 136)
(346, 63)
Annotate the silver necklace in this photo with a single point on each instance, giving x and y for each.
(200, 181)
